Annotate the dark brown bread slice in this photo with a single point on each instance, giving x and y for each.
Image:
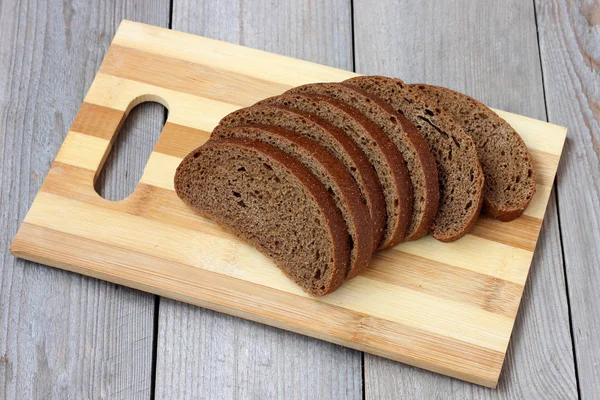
(331, 173)
(460, 176)
(292, 218)
(504, 158)
(315, 128)
(379, 149)
(419, 161)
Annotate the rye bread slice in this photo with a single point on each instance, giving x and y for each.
(295, 221)
(460, 176)
(413, 148)
(315, 128)
(378, 148)
(507, 164)
(331, 173)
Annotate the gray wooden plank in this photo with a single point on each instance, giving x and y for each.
(125, 163)
(203, 354)
(489, 50)
(64, 335)
(569, 34)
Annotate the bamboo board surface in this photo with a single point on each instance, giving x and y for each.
(449, 308)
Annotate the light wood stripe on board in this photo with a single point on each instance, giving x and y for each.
(474, 254)
(553, 135)
(545, 164)
(184, 109)
(446, 281)
(186, 77)
(226, 56)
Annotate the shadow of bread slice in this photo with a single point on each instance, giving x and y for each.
(414, 150)
(330, 172)
(331, 138)
(294, 221)
(459, 173)
(389, 169)
(504, 158)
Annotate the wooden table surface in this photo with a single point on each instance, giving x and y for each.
(67, 336)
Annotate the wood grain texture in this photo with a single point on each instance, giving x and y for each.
(488, 50)
(152, 241)
(250, 360)
(63, 335)
(569, 35)
(217, 356)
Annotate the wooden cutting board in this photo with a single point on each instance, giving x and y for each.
(446, 307)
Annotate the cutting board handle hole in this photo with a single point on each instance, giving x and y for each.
(130, 151)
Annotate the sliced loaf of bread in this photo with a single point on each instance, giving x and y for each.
(460, 176)
(330, 137)
(294, 221)
(379, 149)
(413, 148)
(331, 173)
(504, 158)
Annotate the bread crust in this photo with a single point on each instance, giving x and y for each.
(322, 108)
(335, 224)
(315, 158)
(404, 98)
(403, 184)
(343, 147)
(426, 164)
(491, 208)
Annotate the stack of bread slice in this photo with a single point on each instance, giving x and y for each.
(320, 177)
